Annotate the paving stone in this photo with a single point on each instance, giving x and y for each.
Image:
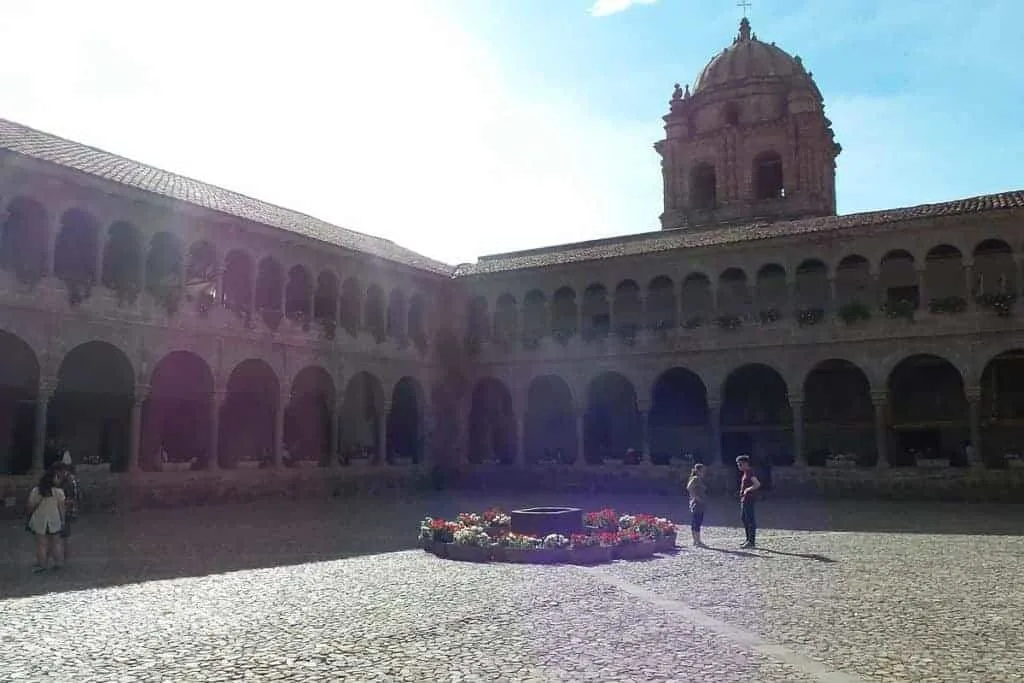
(275, 592)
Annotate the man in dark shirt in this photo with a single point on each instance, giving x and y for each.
(749, 485)
(72, 499)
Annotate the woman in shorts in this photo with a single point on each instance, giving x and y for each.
(697, 489)
(45, 510)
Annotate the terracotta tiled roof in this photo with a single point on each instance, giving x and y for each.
(76, 156)
(668, 240)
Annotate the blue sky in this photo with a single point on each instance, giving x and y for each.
(466, 127)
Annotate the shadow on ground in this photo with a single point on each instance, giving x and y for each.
(150, 545)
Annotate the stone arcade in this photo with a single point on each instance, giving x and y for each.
(151, 322)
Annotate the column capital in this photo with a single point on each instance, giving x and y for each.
(796, 401)
(142, 392)
(973, 394)
(643, 405)
(715, 404)
(879, 398)
(47, 387)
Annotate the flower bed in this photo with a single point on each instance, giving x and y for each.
(485, 537)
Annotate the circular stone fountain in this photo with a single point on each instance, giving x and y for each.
(541, 522)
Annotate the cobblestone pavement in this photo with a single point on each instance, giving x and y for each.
(325, 591)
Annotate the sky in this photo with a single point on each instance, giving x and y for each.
(460, 128)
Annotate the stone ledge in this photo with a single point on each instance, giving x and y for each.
(117, 492)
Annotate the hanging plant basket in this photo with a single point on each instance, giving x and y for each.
(854, 312)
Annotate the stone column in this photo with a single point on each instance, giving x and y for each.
(974, 420)
(135, 435)
(382, 432)
(969, 284)
(335, 441)
(282, 404)
(797, 405)
(922, 291)
(213, 439)
(714, 458)
(879, 401)
(46, 391)
(581, 424)
(833, 295)
(644, 414)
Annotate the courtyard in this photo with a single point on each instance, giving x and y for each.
(334, 590)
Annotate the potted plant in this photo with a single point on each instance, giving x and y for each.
(854, 312)
(496, 522)
(436, 535)
(517, 548)
(844, 460)
(590, 549)
(1000, 304)
(633, 545)
(693, 323)
(601, 521)
(470, 544)
(769, 316)
(728, 322)
(665, 537)
(947, 305)
(809, 316)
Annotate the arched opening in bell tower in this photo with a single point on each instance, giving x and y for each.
(703, 187)
(768, 176)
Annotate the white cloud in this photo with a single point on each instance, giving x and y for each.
(384, 117)
(603, 8)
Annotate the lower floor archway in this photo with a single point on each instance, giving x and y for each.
(492, 424)
(19, 386)
(838, 415)
(550, 422)
(405, 429)
(1002, 409)
(756, 417)
(612, 425)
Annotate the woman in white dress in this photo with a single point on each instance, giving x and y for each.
(46, 519)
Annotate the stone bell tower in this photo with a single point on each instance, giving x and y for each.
(750, 143)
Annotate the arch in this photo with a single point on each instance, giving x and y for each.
(596, 312)
(298, 294)
(405, 428)
(661, 304)
(417, 324)
(1002, 407)
(995, 271)
(122, 260)
(698, 300)
(854, 284)
(19, 387)
(550, 422)
(91, 408)
(201, 275)
(897, 278)
(164, 263)
(270, 291)
(678, 422)
(612, 422)
(374, 316)
(24, 240)
(628, 309)
(733, 292)
(492, 423)
(505, 322)
(944, 279)
(325, 302)
(812, 287)
(703, 187)
(76, 252)
(564, 314)
(838, 413)
(536, 325)
(477, 323)
(363, 420)
(309, 416)
(927, 410)
(772, 292)
(768, 178)
(351, 306)
(396, 317)
(237, 283)
(756, 416)
(177, 414)
(249, 414)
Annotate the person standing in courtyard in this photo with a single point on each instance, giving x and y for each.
(697, 489)
(68, 483)
(45, 510)
(749, 485)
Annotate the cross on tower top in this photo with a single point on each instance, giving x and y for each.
(744, 4)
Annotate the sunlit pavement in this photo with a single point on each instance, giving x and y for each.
(325, 591)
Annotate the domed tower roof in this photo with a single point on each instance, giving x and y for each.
(747, 58)
(751, 142)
